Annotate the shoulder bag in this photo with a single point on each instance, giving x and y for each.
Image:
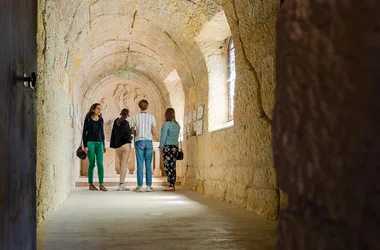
(179, 152)
(80, 152)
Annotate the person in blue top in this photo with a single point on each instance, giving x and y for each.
(169, 147)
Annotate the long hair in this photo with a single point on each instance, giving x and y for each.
(91, 111)
(170, 115)
(124, 114)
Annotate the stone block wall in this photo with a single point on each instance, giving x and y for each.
(55, 145)
(236, 164)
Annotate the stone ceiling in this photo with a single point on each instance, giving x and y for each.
(151, 38)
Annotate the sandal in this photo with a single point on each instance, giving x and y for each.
(102, 188)
(92, 187)
(169, 189)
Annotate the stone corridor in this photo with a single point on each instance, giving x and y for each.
(182, 220)
(278, 102)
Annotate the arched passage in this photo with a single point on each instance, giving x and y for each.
(100, 45)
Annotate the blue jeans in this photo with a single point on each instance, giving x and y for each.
(144, 153)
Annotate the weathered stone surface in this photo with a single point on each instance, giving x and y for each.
(326, 140)
(237, 159)
(263, 201)
(55, 162)
(215, 189)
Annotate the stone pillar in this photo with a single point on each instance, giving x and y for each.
(326, 124)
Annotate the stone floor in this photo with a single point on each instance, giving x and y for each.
(159, 220)
(114, 181)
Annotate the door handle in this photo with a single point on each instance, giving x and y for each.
(30, 80)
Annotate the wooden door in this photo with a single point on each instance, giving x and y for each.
(18, 22)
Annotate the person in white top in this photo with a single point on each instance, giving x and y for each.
(144, 128)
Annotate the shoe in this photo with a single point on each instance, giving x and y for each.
(169, 189)
(122, 187)
(138, 189)
(149, 189)
(92, 187)
(102, 187)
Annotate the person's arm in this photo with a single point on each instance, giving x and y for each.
(154, 126)
(154, 130)
(84, 133)
(133, 126)
(112, 142)
(102, 135)
(164, 134)
(128, 132)
(179, 131)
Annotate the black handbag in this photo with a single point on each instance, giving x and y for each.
(179, 152)
(80, 153)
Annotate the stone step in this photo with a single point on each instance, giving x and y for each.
(114, 181)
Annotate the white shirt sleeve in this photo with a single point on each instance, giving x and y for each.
(153, 121)
(133, 122)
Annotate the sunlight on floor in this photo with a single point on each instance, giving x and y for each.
(157, 220)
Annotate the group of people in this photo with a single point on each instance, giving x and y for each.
(139, 131)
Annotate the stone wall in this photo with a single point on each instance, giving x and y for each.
(235, 164)
(326, 126)
(54, 123)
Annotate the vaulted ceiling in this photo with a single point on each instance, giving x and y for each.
(144, 38)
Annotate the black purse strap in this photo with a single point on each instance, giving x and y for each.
(180, 144)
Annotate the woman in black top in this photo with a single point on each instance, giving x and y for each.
(93, 142)
(121, 141)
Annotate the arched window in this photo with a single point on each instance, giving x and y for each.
(231, 78)
(218, 50)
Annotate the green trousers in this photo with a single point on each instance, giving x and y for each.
(95, 149)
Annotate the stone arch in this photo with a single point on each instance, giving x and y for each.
(108, 84)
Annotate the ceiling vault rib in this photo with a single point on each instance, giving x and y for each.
(184, 55)
(121, 52)
(154, 38)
